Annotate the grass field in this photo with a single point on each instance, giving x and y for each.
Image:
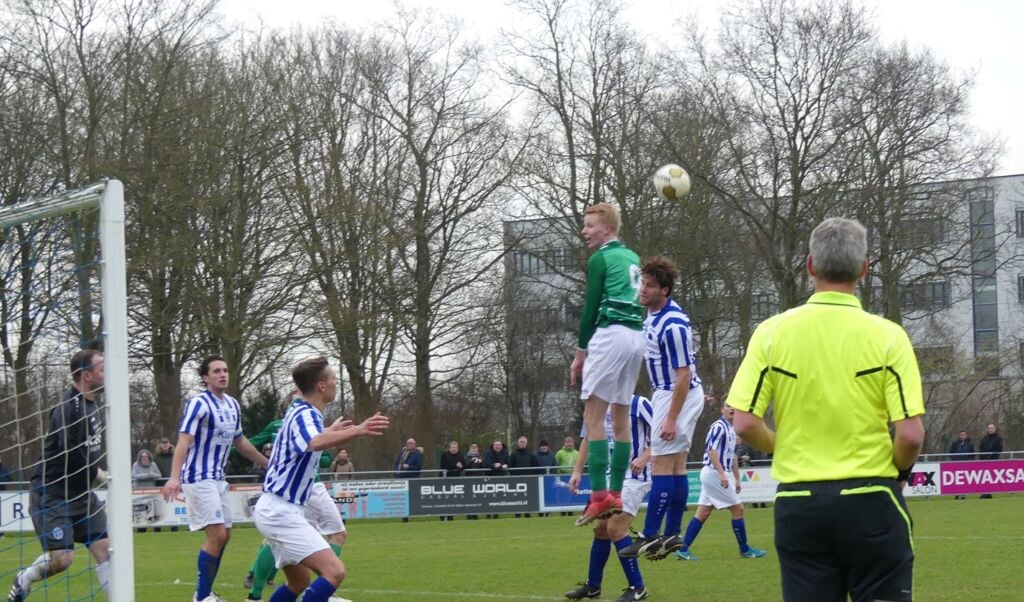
(966, 550)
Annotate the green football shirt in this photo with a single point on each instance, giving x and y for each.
(613, 290)
(836, 375)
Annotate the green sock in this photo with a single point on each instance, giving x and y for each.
(597, 459)
(262, 569)
(621, 451)
(336, 548)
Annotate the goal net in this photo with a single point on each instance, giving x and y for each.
(62, 289)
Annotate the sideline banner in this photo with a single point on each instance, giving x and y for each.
(992, 476)
(473, 495)
(388, 498)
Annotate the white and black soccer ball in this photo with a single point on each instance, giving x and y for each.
(672, 182)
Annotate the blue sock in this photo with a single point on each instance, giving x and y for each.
(692, 530)
(680, 491)
(283, 594)
(740, 529)
(207, 565)
(658, 503)
(599, 552)
(629, 565)
(319, 591)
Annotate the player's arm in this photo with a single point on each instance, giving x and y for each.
(173, 485)
(717, 464)
(904, 400)
(588, 316)
(679, 392)
(577, 469)
(333, 437)
(638, 463)
(248, 451)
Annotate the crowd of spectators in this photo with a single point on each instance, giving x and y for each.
(990, 448)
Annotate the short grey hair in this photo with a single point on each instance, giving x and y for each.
(839, 247)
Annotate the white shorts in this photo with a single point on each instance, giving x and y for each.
(633, 492)
(614, 356)
(713, 494)
(661, 400)
(321, 511)
(207, 504)
(292, 539)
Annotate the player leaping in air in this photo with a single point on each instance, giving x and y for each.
(608, 356)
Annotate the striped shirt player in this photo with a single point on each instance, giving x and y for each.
(210, 424)
(669, 346)
(719, 487)
(677, 399)
(614, 530)
(280, 514)
(214, 423)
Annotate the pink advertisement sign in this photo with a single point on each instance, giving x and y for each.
(1000, 476)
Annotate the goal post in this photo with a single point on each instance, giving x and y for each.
(105, 247)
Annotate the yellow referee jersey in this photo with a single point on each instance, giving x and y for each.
(836, 375)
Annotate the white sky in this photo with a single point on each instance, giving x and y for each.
(982, 36)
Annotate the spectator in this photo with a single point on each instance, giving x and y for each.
(522, 459)
(145, 472)
(545, 459)
(163, 457)
(258, 472)
(409, 462)
(991, 446)
(452, 461)
(961, 450)
(453, 464)
(497, 459)
(474, 461)
(565, 459)
(342, 466)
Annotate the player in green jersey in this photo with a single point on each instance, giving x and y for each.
(608, 355)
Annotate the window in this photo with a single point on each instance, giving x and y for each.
(925, 295)
(987, 365)
(1020, 354)
(762, 306)
(1020, 223)
(1020, 288)
(925, 231)
(543, 261)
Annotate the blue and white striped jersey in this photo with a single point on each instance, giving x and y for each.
(215, 424)
(293, 466)
(641, 416)
(669, 345)
(722, 438)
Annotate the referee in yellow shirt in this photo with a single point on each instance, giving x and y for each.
(837, 376)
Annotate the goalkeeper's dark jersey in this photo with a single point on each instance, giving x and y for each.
(72, 449)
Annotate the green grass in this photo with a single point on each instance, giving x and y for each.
(966, 550)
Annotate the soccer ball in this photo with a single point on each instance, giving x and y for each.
(672, 182)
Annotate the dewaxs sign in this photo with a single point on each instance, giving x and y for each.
(473, 495)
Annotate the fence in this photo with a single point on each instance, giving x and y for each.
(389, 497)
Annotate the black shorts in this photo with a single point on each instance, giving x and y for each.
(840, 538)
(59, 522)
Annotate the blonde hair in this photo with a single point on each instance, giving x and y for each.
(607, 214)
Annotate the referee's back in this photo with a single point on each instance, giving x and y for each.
(837, 375)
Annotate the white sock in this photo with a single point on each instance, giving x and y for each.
(37, 571)
(103, 574)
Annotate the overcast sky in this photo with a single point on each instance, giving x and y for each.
(985, 37)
